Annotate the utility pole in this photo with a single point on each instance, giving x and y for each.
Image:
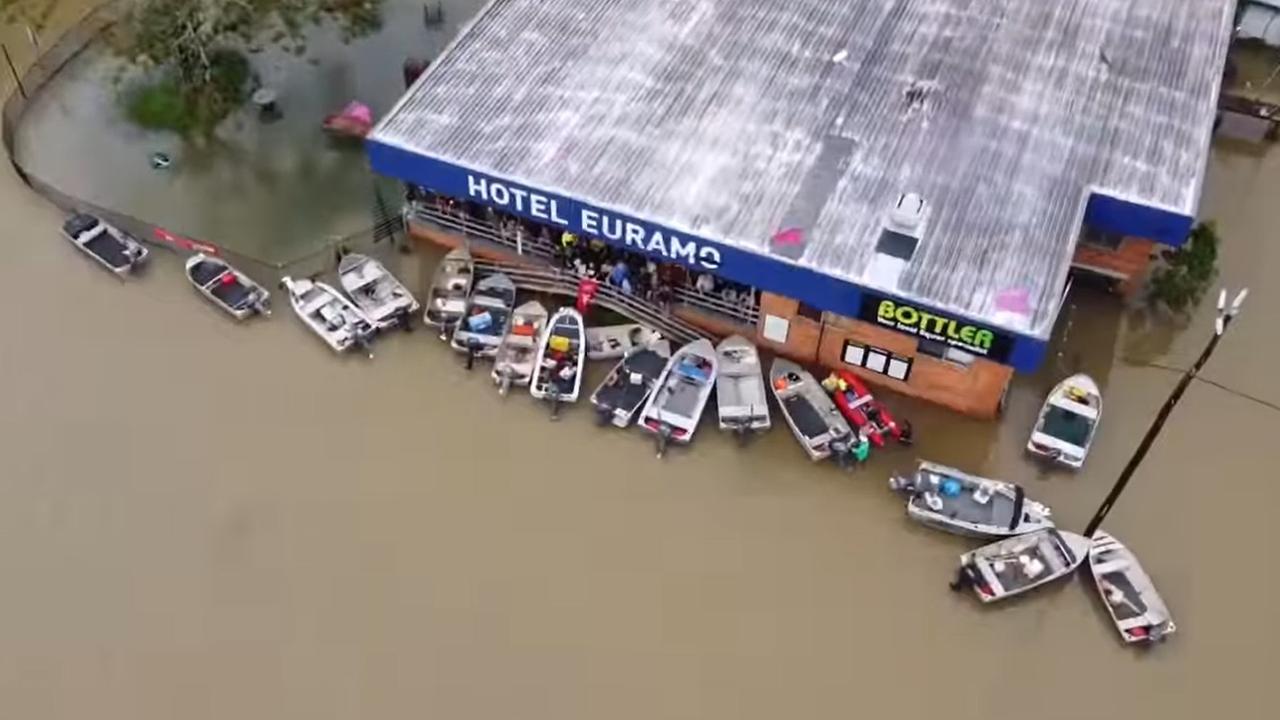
(1225, 316)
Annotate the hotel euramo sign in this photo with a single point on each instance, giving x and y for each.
(932, 325)
(664, 244)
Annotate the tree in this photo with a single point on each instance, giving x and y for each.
(199, 46)
(1185, 274)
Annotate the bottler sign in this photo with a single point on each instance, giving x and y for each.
(932, 325)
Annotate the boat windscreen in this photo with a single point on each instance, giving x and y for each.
(1067, 426)
(1019, 498)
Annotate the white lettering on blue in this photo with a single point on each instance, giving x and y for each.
(612, 234)
(709, 257)
(635, 235)
(556, 217)
(499, 195)
(519, 195)
(682, 251)
(590, 221)
(658, 244)
(538, 206)
(477, 187)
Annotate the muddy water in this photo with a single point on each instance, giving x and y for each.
(205, 520)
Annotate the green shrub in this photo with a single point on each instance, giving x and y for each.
(1184, 275)
(166, 104)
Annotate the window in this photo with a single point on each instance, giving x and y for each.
(809, 312)
(943, 351)
(776, 329)
(1100, 239)
(896, 244)
(877, 360)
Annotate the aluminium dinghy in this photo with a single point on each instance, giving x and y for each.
(379, 295)
(630, 383)
(226, 287)
(561, 356)
(1015, 565)
(814, 419)
(484, 323)
(956, 502)
(1138, 611)
(680, 397)
(742, 402)
(330, 315)
(110, 247)
(514, 363)
(450, 287)
(1068, 421)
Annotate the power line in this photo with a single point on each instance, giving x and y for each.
(1227, 389)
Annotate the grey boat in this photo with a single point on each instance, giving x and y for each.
(1138, 611)
(110, 247)
(226, 287)
(484, 323)
(450, 287)
(1018, 564)
(742, 403)
(676, 405)
(630, 383)
(956, 502)
(813, 417)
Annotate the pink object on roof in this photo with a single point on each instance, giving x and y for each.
(790, 236)
(1014, 300)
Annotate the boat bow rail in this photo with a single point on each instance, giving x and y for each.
(557, 282)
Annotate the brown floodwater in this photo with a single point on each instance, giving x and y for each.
(200, 519)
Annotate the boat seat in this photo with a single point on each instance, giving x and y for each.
(457, 283)
(934, 501)
(982, 494)
(1118, 565)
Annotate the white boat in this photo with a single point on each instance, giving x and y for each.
(331, 315)
(957, 502)
(681, 394)
(1068, 421)
(484, 323)
(226, 287)
(814, 419)
(379, 295)
(611, 342)
(112, 248)
(1015, 565)
(630, 383)
(514, 363)
(561, 356)
(741, 400)
(1136, 608)
(450, 286)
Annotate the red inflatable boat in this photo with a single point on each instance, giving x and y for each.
(862, 410)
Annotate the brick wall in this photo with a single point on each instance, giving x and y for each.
(803, 335)
(975, 390)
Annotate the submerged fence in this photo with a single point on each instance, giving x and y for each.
(31, 71)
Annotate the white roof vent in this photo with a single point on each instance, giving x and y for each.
(898, 240)
(909, 213)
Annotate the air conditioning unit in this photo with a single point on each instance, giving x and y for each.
(898, 240)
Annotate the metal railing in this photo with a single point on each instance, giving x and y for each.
(559, 282)
(742, 306)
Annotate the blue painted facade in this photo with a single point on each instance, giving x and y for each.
(1123, 217)
(664, 244)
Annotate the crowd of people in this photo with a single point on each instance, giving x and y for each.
(590, 257)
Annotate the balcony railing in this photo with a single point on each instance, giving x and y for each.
(741, 304)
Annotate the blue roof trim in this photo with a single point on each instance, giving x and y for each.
(1124, 217)
(659, 242)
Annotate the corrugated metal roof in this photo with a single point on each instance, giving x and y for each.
(736, 119)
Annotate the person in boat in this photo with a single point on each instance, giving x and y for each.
(563, 375)
(906, 433)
